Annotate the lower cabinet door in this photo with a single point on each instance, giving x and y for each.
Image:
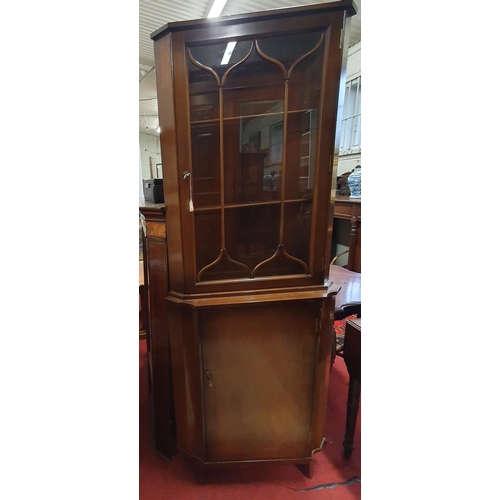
(258, 368)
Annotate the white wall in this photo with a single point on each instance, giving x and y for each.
(149, 147)
(141, 187)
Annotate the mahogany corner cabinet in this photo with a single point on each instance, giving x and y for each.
(248, 109)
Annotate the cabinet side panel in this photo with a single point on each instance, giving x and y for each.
(183, 333)
(322, 376)
(334, 68)
(162, 394)
(169, 154)
(259, 363)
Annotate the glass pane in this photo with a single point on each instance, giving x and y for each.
(253, 151)
(294, 257)
(287, 49)
(224, 269)
(256, 112)
(213, 55)
(207, 234)
(301, 144)
(205, 153)
(203, 94)
(261, 107)
(297, 231)
(305, 81)
(252, 233)
(255, 87)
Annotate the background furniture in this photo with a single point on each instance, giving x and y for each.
(347, 302)
(350, 210)
(155, 272)
(143, 303)
(248, 162)
(352, 358)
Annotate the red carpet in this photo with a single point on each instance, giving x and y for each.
(175, 481)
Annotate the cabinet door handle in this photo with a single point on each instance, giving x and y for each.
(187, 178)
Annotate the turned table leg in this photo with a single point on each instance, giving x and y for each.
(352, 414)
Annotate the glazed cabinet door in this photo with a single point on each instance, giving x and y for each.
(258, 371)
(254, 169)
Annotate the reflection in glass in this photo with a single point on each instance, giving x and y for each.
(253, 156)
(252, 233)
(261, 107)
(205, 152)
(305, 81)
(293, 255)
(254, 87)
(297, 231)
(301, 147)
(203, 94)
(207, 234)
(212, 55)
(287, 49)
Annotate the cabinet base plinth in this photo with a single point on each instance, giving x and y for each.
(306, 469)
(201, 470)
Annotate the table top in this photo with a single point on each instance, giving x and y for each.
(356, 323)
(350, 281)
(344, 198)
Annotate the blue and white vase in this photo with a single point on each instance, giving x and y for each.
(354, 182)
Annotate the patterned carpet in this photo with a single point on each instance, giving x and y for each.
(339, 327)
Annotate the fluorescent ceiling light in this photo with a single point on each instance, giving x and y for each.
(228, 53)
(217, 7)
(215, 11)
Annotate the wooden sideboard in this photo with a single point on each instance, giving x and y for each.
(350, 209)
(155, 268)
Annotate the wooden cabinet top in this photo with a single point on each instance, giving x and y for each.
(348, 5)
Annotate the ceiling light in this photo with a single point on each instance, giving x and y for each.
(217, 7)
(228, 53)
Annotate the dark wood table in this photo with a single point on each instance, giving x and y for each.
(350, 281)
(350, 209)
(352, 358)
(347, 302)
(143, 304)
